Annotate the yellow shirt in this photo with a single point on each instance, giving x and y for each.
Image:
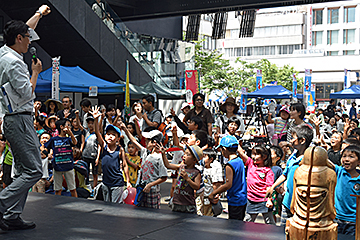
(133, 173)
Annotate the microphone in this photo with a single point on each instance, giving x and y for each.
(33, 54)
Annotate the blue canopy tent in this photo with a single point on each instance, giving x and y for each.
(349, 93)
(75, 79)
(271, 91)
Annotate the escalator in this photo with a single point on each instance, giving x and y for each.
(76, 33)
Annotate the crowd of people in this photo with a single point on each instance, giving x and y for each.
(207, 156)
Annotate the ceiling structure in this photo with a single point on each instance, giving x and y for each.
(145, 9)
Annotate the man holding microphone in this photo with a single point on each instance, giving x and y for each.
(17, 101)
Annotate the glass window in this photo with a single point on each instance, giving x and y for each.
(319, 91)
(332, 37)
(349, 52)
(349, 14)
(333, 15)
(317, 17)
(349, 36)
(317, 37)
(333, 53)
(238, 51)
(247, 51)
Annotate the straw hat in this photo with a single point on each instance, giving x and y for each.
(47, 121)
(57, 102)
(229, 100)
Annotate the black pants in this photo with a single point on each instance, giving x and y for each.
(237, 212)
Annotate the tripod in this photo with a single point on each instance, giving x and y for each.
(257, 119)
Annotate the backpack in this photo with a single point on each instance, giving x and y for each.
(162, 128)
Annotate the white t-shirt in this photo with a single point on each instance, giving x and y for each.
(211, 175)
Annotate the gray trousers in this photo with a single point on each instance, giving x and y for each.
(112, 194)
(19, 131)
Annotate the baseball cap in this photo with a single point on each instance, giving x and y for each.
(112, 127)
(228, 141)
(153, 135)
(284, 108)
(90, 118)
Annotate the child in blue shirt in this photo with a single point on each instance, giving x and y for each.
(63, 162)
(348, 183)
(301, 137)
(113, 161)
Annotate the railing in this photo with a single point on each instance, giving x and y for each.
(132, 41)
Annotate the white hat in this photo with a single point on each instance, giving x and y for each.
(184, 105)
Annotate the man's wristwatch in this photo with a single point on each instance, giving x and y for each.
(38, 11)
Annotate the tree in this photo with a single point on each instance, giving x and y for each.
(217, 73)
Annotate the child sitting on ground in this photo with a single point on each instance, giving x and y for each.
(212, 178)
(188, 180)
(348, 183)
(235, 183)
(113, 161)
(259, 179)
(63, 162)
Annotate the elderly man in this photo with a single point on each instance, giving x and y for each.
(17, 101)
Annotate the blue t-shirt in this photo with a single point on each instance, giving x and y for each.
(111, 164)
(277, 172)
(237, 194)
(345, 204)
(62, 151)
(292, 165)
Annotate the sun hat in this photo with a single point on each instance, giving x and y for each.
(228, 141)
(112, 127)
(196, 151)
(229, 100)
(60, 106)
(47, 120)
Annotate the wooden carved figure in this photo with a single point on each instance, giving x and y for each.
(313, 199)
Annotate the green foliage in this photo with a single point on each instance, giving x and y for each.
(217, 73)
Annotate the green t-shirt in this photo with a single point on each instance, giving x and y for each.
(8, 156)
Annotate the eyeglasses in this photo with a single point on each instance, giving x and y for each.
(25, 35)
(199, 100)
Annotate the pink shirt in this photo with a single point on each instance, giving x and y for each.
(258, 179)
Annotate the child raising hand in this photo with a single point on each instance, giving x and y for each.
(188, 180)
(113, 163)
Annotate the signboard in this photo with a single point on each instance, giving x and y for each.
(192, 81)
(308, 75)
(311, 99)
(55, 87)
(243, 100)
(310, 27)
(93, 91)
(258, 79)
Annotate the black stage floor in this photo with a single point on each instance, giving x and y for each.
(59, 217)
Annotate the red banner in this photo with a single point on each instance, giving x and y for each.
(192, 81)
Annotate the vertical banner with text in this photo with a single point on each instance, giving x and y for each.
(346, 85)
(55, 87)
(308, 76)
(258, 79)
(192, 81)
(243, 100)
(311, 99)
(294, 86)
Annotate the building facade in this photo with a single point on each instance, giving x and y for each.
(324, 37)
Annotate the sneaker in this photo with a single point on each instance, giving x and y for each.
(167, 199)
(19, 224)
(3, 225)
